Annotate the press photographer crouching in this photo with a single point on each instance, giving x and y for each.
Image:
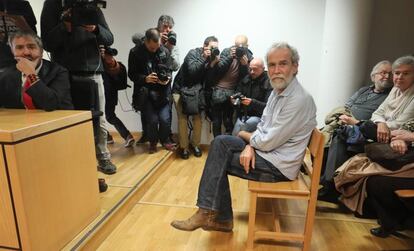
(72, 31)
(251, 97)
(188, 94)
(115, 79)
(147, 68)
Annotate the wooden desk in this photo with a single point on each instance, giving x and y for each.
(48, 178)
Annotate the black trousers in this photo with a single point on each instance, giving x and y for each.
(111, 97)
(383, 203)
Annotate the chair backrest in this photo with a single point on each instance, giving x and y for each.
(313, 161)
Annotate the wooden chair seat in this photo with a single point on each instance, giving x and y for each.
(296, 189)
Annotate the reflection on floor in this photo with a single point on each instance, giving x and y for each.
(174, 194)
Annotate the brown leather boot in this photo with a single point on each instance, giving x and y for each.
(200, 219)
(223, 226)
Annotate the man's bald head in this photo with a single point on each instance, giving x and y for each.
(241, 40)
(256, 67)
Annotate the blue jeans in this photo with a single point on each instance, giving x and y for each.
(158, 120)
(224, 158)
(248, 124)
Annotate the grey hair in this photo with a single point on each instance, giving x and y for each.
(165, 19)
(378, 65)
(283, 45)
(31, 34)
(404, 60)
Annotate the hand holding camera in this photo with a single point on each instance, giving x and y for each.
(152, 78)
(237, 98)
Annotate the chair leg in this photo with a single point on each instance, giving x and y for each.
(275, 214)
(310, 218)
(252, 220)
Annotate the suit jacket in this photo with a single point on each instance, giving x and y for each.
(51, 92)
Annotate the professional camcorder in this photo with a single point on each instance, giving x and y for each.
(214, 53)
(237, 98)
(241, 51)
(83, 12)
(111, 51)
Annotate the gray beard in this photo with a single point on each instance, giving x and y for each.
(281, 85)
(382, 85)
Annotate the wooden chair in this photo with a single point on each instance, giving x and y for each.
(296, 189)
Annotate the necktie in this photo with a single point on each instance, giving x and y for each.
(27, 100)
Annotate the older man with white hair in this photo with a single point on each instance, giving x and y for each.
(272, 153)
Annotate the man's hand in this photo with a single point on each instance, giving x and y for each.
(89, 27)
(383, 133)
(206, 52)
(26, 66)
(248, 158)
(169, 46)
(246, 101)
(348, 120)
(399, 146)
(164, 37)
(244, 60)
(152, 78)
(233, 51)
(402, 135)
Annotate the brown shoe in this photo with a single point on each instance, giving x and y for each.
(223, 226)
(152, 148)
(200, 219)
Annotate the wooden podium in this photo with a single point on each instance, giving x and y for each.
(48, 178)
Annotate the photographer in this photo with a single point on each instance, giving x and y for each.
(147, 68)
(232, 67)
(72, 31)
(253, 90)
(115, 79)
(188, 93)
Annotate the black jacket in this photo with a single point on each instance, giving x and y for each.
(258, 90)
(20, 8)
(141, 63)
(192, 71)
(78, 50)
(221, 68)
(51, 92)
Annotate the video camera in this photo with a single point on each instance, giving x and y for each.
(237, 98)
(241, 51)
(83, 12)
(214, 53)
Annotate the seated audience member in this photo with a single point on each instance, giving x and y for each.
(255, 90)
(378, 199)
(33, 83)
(362, 103)
(188, 83)
(231, 69)
(20, 8)
(274, 152)
(396, 110)
(147, 68)
(114, 79)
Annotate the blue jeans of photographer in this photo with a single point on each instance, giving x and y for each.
(158, 120)
(223, 159)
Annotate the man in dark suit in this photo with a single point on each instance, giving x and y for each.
(33, 83)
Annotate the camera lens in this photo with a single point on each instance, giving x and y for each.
(172, 37)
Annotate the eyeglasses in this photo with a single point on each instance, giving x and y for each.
(384, 73)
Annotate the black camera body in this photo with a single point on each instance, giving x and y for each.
(162, 72)
(241, 51)
(84, 3)
(214, 53)
(172, 37)
(237, 98)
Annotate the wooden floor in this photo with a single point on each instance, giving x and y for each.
(173, 196)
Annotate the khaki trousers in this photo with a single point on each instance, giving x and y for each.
(183, 125)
